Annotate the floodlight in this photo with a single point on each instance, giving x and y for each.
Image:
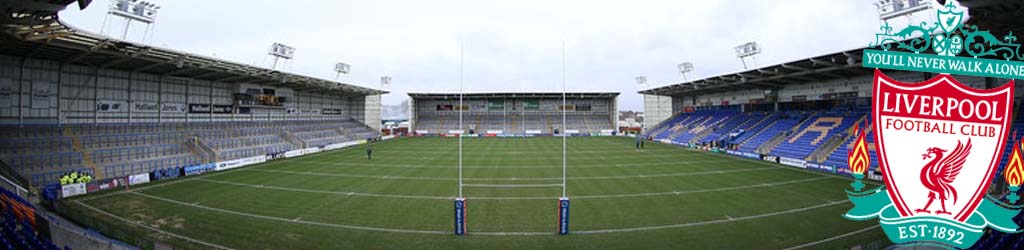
(685, 67)
(747, 49)
(132, 10)
(342, 68)
(281, 50)
(889, 9)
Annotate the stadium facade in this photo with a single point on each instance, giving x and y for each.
(511, 113)
(73, 101)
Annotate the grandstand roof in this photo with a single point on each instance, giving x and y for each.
(819, 68)
(998, 16)
(60, 42)
(578, 95)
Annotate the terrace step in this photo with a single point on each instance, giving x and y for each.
(294, 140)
(684, 127)
(76, 145)
(770, 145)
(822, 152)
(712, 127)
(756, 133)
(199, 149)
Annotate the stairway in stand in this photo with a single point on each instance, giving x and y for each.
(76, 144)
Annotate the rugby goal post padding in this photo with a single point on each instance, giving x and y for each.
(563, 215)
(460, 216)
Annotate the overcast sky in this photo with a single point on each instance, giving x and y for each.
(508, 45)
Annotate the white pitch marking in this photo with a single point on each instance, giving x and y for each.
(356, 164)
(227, 211)
(702, 223)
(684, 173)
(674, 192)
(552, 158)
(149, 227)
(412, 231)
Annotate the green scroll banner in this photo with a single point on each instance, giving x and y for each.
(924, 229)
(943, 64)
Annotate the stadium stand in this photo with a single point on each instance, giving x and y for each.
(514, 113)
(813, 134)
(733, 125)
(782, 123)
(40, 153)
(19, 225)
(816, 136)
(113, 112)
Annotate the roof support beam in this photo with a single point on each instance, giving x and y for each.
(124, 59)
(822, 62)
(748, 76)
(769, 72)
(794, 67)
(85, 53)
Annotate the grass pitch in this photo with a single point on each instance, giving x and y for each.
(660, 197)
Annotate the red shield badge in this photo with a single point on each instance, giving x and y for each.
(939, 142)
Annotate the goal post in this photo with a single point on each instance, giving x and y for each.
(563, 200)
(460, 206)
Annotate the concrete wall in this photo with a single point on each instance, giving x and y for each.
(657, 109)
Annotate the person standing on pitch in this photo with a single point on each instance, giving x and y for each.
(369, 152)
(639, 141)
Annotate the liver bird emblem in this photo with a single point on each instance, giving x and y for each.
(938, 175)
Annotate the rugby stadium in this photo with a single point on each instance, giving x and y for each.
(110, 143)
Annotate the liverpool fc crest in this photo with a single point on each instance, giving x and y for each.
(938, 146)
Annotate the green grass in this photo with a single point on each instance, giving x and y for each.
(661, 197)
